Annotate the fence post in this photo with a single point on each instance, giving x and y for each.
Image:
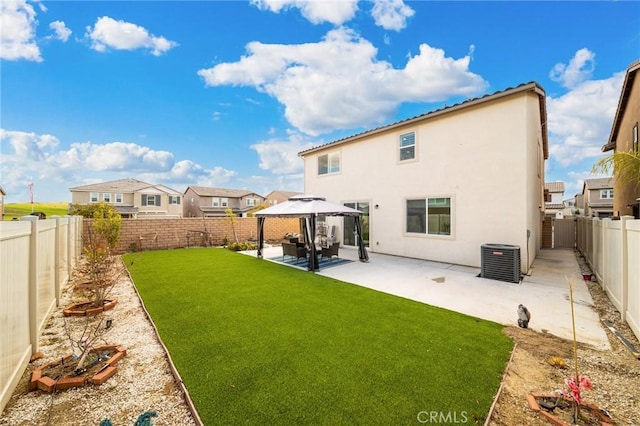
(57, 260)
(624, 253)
(33, 282)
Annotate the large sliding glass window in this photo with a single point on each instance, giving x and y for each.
(429, 216)
(329, 163)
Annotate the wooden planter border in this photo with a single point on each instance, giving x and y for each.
(76, 310)
(47, 384)
(533, 404)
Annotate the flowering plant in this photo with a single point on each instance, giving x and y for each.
(574, 388)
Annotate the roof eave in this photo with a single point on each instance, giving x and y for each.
(622, 105)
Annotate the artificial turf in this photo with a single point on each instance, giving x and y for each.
(261, 343)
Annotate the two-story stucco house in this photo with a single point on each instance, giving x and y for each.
(624, 138)
(202, 201)
(132, 198)
(554, 201)
(598, 196)
(440, 185)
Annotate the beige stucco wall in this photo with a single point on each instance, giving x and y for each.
(488, 159)
(627, 194)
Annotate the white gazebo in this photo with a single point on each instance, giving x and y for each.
(308, 208)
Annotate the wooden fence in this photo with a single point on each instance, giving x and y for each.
(612, 249)
(36, 260)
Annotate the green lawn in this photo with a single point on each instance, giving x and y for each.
(12, 210)
(261, 343)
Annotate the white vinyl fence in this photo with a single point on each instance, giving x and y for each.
(612, 248)
(36, 259)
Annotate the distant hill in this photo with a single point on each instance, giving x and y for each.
(12, 210)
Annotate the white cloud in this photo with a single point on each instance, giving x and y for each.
(580, 121)
(580, 69)
(336, 12)
(28, 157)
(339, 84)
(391, 14)
(280, 157)
(17, 38)
(29, 146)
(121, 35)
(61, 32)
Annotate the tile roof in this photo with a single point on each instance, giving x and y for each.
(599, 183)
(205, 191)
(121, 185)
(531, 86)
(554, 186)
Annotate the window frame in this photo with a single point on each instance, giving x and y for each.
(118, 198)
(331, 168)
(424, 221)
(106, 197)
(146, 197)
(224, 202)
(215, 202)
(606, 194)
(94, 197)
(401, 147)
(173, 198)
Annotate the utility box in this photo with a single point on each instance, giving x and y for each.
(500, 262)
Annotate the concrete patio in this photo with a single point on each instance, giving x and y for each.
(545, 291)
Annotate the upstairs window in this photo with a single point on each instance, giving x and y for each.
(119, 198)
(606, 193)
(224, 202)
(174, 199)
(93, 197)
(150, 200)
(106, 197)
(407, 146)
(329, 163)
(215, 202)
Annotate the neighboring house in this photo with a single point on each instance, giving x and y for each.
(440, 185)
(2, 194)
(276, 197)
(554, 194)
(132, 198)
(624, 138)
(598, 197)
(579, 205)
(202, 201)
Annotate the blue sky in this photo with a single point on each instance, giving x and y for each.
(226, 93)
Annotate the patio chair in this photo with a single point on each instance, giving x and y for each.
(330, 251)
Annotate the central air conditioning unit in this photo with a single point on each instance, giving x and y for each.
(500, 262)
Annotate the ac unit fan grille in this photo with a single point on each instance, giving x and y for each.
(500, 262)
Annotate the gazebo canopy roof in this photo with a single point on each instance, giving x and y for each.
(305, 205)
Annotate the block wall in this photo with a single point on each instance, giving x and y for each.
(158, 234)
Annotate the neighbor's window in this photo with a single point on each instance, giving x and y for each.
(93, 197)
(606, 193)
(119, 198)
(150, 200)
(215, 202)
(174, 199)
(251, 202)
(408, 146)
(429, 216)
(224, 202)
(329, 163)
(106, 197)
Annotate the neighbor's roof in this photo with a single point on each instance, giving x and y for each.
(205, 191)
(625, 94)
(525, 87)
(554, 186)
(121, 185)
(284, 194)
(599, 183)
(125, 186)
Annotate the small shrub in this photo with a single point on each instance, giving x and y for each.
(242, 246)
